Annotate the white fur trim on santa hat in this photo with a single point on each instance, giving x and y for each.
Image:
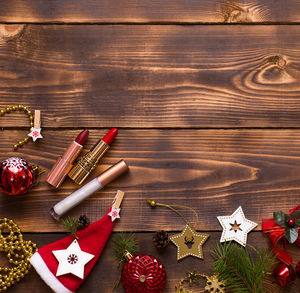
(41, 268)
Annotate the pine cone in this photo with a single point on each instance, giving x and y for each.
(161, 239)
(83, 222)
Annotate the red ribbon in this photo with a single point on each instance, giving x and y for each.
(275, 233)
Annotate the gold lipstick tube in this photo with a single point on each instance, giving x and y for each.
(88, 162)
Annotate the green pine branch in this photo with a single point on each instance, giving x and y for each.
(242, 272)
(123, 242)
(70, 225)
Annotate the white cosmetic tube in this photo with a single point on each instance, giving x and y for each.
(88, 189)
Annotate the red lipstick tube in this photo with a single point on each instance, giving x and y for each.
(64, 163)
(87, 164)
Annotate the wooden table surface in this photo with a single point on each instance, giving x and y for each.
(205, 94)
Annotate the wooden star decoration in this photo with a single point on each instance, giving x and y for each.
(72, 260)
(236, 227)
(189, 242)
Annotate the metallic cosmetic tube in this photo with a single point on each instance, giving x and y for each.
(63, 165)
(88, 189)
(87, 163)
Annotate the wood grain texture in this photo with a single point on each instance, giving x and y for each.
(153, 76)
(105, 271)
(149, 11)
(183, 97)
(213, 171)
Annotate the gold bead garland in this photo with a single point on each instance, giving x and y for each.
(30, 116)
(18, 252)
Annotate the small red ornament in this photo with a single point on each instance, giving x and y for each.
(298, 269)
(16, 176)
(284, 274)
(143, 274)
(291, 223)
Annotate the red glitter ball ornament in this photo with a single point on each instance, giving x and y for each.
(16, 176)
(284, 274)
(143, 274)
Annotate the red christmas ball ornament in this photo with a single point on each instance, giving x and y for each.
(16, 176)
(291, 223)
(298, 269)
(143, 274)
(284, 274)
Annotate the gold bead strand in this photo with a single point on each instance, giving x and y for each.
(18, 251)
(7, 110)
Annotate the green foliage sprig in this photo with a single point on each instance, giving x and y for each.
(285, 220)
(70, 225)
(123, 242)
(241, 271)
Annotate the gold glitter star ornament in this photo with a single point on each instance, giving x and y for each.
(189, 242)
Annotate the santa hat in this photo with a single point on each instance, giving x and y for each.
(48, 261)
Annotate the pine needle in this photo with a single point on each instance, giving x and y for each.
(123, 242)
(70, 225)
(241, 271)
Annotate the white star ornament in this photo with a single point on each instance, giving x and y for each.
(114, 213)
(236, 227)
(72, 260)
(35, 133)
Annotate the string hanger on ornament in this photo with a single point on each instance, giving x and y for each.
(153, 204)
(188, 242)
(34, 122)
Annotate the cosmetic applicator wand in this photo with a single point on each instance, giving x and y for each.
(88, 189)
(87, 163)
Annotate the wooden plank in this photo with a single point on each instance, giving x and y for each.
(153, 76)
(149, 11)
(213, 171)
(105, 272)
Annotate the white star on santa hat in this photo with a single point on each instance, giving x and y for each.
(35, 133)
(236, 227)
(72, 260)
(114, 213)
